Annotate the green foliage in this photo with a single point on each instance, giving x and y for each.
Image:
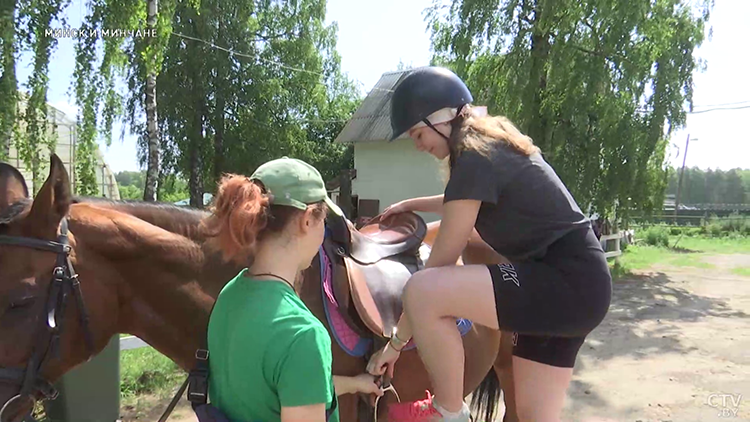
(172, 189)
(86, 87)
(8, 82)
(711, 186)
(36, 16)
(593, 82)
(221, 113)
(131, 193)
(147, 371)
(734, 224)
(132, 183)
(656, 236)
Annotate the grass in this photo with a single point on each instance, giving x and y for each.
(687, 253)
(723, 245)
(743, 271)
(146, 371)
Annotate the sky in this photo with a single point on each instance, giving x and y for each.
(374, 36)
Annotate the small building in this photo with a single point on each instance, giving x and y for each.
(64, 129)
(387, 172)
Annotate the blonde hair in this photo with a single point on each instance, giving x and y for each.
(482, 134)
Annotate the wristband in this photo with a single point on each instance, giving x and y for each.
(393, 346)
(398, 339)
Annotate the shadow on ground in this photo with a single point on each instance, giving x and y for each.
(652, 297)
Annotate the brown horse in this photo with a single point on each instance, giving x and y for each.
(146, 270)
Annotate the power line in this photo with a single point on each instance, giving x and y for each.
(719, 109)
(256, 57)
(722, 105)
(715, 107)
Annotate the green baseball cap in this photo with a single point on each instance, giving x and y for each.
(294, 183)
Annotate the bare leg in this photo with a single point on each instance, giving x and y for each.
(540, 390)
(504, 368)
(433, 298)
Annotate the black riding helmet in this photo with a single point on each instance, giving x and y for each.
(423, 92)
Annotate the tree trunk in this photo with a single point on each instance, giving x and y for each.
(152, 172)
(8, 82)
(536, 122)
(195, 182)
(219, 121)
(219, 137)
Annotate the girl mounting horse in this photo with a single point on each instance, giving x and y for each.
(556, 288)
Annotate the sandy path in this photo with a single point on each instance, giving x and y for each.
(675, 346)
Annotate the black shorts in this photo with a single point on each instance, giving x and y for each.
(551, 304)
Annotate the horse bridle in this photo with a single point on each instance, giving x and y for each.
(47, 344)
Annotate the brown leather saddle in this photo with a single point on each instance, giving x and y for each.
(371, 266)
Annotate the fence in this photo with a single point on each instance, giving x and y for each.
(611, 242)
(687, 220)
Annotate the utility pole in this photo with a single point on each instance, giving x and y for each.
(682, 172)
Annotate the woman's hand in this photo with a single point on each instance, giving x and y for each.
(383, 360)
(365, 384)
(398, 207)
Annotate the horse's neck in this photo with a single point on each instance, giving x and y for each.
(162, 284)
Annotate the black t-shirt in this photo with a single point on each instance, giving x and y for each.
(525, 206)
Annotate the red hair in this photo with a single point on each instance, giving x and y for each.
(242, 215)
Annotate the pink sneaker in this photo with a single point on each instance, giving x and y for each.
(416, 411)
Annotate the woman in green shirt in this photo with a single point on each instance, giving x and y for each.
(270, 357)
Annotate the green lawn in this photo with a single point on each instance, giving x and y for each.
(688, 253)
(147, 371)
(743, 271)
(723, 245)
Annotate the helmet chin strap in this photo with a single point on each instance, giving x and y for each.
(428, 123)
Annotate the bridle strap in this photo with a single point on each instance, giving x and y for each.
(13, 375)
(64, 282)
(30, 242)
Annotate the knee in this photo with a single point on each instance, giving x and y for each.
(416, 294)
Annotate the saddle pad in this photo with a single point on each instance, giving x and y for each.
(352, 343)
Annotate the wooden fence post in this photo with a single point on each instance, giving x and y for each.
(345, 193)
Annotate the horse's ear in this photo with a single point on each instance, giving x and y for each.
(12, 186)
(52, 202)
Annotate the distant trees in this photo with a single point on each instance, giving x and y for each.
(711, 186)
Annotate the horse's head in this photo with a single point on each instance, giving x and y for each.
(34, 281)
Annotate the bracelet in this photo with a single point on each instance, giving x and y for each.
(395, 339)
(393, 346)
(395, 336)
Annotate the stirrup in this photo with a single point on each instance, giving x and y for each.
(390, 387)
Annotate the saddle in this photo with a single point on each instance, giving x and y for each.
(371, 266)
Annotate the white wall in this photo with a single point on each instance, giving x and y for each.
(394, 171)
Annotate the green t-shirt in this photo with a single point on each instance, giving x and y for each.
(267, 351)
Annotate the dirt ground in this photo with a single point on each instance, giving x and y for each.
(675, 346)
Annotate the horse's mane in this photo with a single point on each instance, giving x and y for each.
(174, 219)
